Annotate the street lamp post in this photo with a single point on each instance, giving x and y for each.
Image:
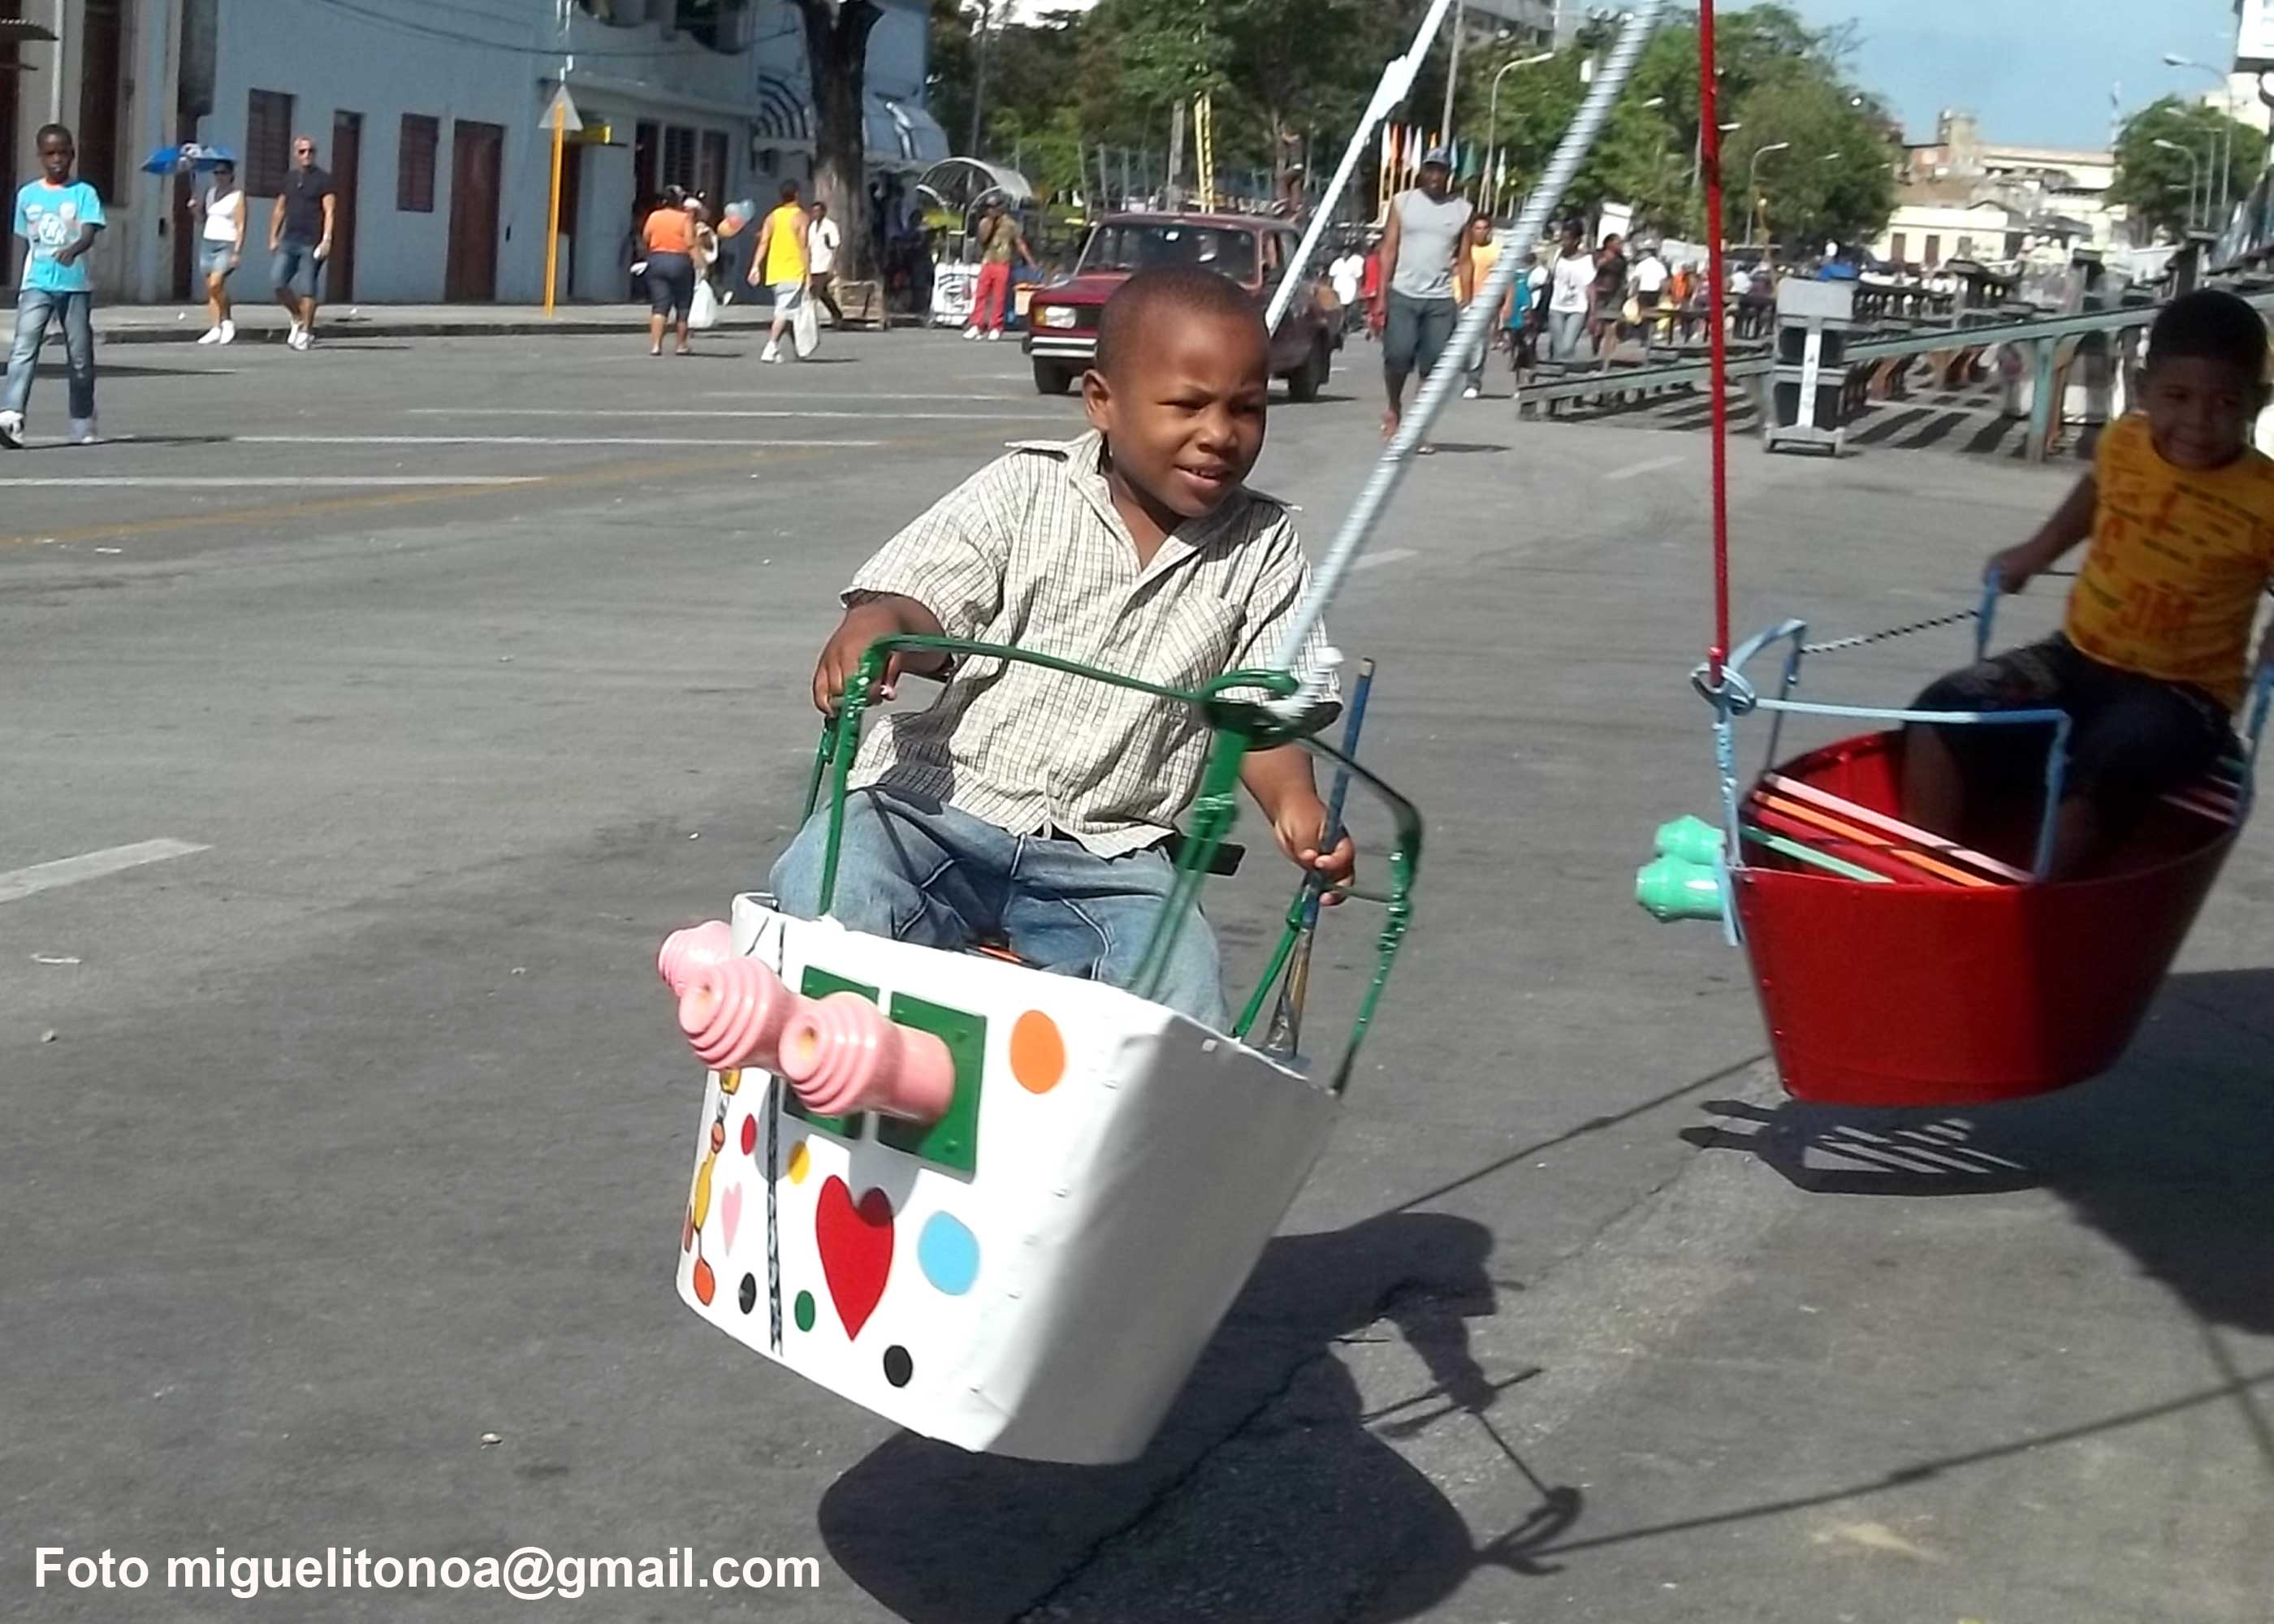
(1492, 118)
(2222, 151)
(2195, 171)
(1753, 184)
(1452, 74)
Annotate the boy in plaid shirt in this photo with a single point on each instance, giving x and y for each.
(1035, 805)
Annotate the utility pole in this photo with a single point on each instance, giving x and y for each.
(1452, 76)
(1172, 192)
(979, 77)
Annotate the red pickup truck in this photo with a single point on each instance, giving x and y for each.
(1062, 317)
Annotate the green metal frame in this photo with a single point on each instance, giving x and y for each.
(1239, 726)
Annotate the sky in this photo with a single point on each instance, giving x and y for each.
(2038, 71)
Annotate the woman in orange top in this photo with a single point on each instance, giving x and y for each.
(668, 236)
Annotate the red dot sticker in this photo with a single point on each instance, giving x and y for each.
(749, 1134)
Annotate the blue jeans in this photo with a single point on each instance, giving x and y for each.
(1415, 332)
(922, 872)
(33, 305)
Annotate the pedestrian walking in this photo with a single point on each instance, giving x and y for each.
(300, 238)
(1425, 266)
(1610, 293)
(58, 218)
(1345, 275)
(1484, 254)
(1000, 242)
(1571, 287)
(822, 239)
(782, 262)
(221, 247)
(667, 239)
(1650, 277)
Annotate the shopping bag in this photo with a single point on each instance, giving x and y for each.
(703, 312)
(805, 327)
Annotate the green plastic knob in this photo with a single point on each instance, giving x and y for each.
(1692, 840)
(1671, 888)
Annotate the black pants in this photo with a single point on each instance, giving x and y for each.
(670, 284)
(2132, 738)
(823, 291)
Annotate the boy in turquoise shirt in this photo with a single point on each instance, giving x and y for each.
(59, 217)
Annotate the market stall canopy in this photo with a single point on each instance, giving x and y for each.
(959, 183)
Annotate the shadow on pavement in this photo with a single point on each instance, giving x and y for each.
(2168, 1154)
(942, 1537)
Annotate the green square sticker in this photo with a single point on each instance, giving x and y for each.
(953, 1142)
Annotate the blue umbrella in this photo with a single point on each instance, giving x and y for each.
(189, 155)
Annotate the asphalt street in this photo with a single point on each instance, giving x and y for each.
(369, 716)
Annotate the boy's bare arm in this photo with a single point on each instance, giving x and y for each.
(2072, 522)
(1282, 784)
(886, 614)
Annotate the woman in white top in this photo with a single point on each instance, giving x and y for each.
(220, 245)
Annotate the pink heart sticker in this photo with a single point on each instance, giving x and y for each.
(730, 1214)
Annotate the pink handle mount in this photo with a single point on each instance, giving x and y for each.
(733, 1013)
(842, 1056)
(695, 948)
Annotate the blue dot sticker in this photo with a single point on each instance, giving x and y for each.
(948, 1253)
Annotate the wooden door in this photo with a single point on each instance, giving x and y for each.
(476, 164)
(347, 166)
(572, 208)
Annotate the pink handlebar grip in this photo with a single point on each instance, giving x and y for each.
(734, 1012)
(686, 951)
(842, 1056)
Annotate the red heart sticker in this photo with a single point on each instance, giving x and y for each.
(856, 1250)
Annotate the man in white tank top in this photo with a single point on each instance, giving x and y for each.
(1424, 279)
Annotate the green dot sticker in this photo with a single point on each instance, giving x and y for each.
(803, 1309)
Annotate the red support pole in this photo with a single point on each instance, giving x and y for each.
(1709, 137)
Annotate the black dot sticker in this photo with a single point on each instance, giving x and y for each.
(748, 1292)
(897, 1366)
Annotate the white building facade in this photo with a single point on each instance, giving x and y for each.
(430, 116)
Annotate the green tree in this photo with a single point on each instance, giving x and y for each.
(2152, 182)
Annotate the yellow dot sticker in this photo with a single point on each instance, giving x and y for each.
(801, 1164)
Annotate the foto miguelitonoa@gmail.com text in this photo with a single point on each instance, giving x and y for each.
(529, 1572)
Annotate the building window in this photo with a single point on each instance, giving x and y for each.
(1933, 249)
(679, 156)
(712, 180)
(1898, 249)
(414, 164)
(103, 60)
(267, 141)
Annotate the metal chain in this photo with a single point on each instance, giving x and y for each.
(1837, 644)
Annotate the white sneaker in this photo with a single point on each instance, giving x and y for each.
(300, 339)
(82, 431)
(971, 332)
(211, 335)
(995, 336)
(227, 333)
(770, 355)
(1469, 393)
(12, 430)
(293, 337)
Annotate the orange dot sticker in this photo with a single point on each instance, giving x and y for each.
(801, 1162)
(1038, 1055)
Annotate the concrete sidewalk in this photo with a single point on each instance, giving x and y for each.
(263, 322)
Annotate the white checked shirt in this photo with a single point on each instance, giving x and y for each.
(1030, 552)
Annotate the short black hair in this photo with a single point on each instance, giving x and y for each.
(790, 192)
(41, 139)
(1168, 290)
(2211, 325)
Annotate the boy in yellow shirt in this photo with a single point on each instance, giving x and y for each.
(2154, 655)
